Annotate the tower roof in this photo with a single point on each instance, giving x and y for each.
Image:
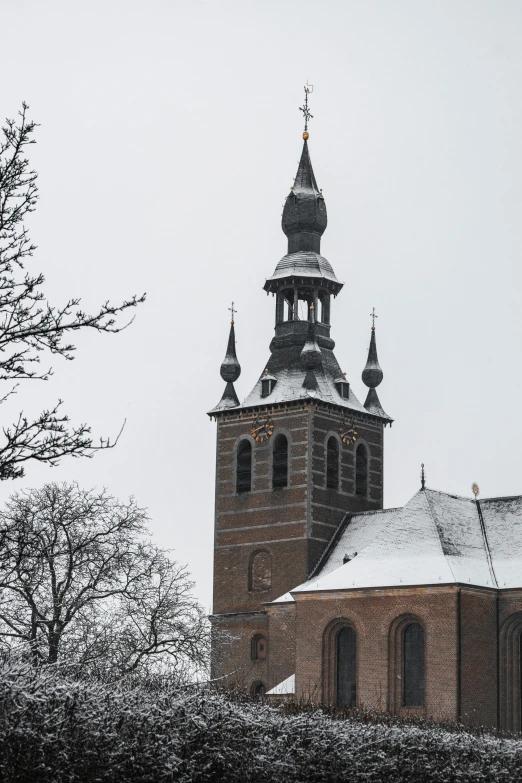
(372, 376)
(230, 372)
(305, 207)
(304, 221)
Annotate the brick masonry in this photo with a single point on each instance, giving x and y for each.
(472, 635)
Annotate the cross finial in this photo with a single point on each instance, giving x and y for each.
(306, 111)
(423, 477)
(373, 315)
(232, 310)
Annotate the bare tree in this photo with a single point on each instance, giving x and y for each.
(80, 581)
(29, 325)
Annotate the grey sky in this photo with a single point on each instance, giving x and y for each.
(169, 138)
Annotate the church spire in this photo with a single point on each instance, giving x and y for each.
(304, 214)
(372, 375)
(230, 370)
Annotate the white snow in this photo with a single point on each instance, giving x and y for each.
(436, 538)
(284, 688)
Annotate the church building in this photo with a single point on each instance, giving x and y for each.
(321, 594)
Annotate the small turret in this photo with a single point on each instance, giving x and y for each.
(372, 376)
(230, 370)
(230, 367)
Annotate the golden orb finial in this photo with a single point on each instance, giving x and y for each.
(306, 135)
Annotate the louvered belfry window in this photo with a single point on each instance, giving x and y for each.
(280, 462)
(361, 471)
(414, 665)
(346, 668)
(244, 467)
(332, 463)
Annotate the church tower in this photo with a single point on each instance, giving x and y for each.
(299, 453)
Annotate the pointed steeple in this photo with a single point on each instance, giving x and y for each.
(372, 376)
(304, 214)
(230, 367)
(230, 370)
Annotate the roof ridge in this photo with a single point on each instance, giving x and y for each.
(449, 494)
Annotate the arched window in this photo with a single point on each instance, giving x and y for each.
(258, 690)
(280, 462)
(413, 656)
(260, 577)
(244, 467)
(511, 673)
(259, 648)
(361, 470)
(346, 668)
(332, 463)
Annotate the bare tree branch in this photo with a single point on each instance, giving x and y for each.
(80, 581)
(30, 326)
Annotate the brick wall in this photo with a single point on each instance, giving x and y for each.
(371, 613)
(479, 657)
(292, 525)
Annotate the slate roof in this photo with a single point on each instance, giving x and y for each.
(285, 365)
(304, 263)
(436, 538)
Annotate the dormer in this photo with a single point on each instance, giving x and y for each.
(343, 387)
(267, 384)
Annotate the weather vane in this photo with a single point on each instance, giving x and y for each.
(306, 111)
(373, 315)
(232, 310)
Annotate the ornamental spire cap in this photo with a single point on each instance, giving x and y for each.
(372, 374)
(304, 214)
(230, 368)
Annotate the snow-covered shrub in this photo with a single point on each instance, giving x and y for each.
(54, 728)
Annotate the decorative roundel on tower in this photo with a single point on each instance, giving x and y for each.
(262, 428)
(347, 431)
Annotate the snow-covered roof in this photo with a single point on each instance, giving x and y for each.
(304, 263)
(436, 538)
(285, 688)
(286, 366)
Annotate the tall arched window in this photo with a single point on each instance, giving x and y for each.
(332, 463)
(413, 656)
(280, 462)
(260, 577)
(361, 470)
(259, 648)
(244, 467)
(511, 673)
(346, 668)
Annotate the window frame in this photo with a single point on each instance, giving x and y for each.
(273, 465)
(337, 486)
(239, 488)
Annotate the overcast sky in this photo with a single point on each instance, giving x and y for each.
(170, 134)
